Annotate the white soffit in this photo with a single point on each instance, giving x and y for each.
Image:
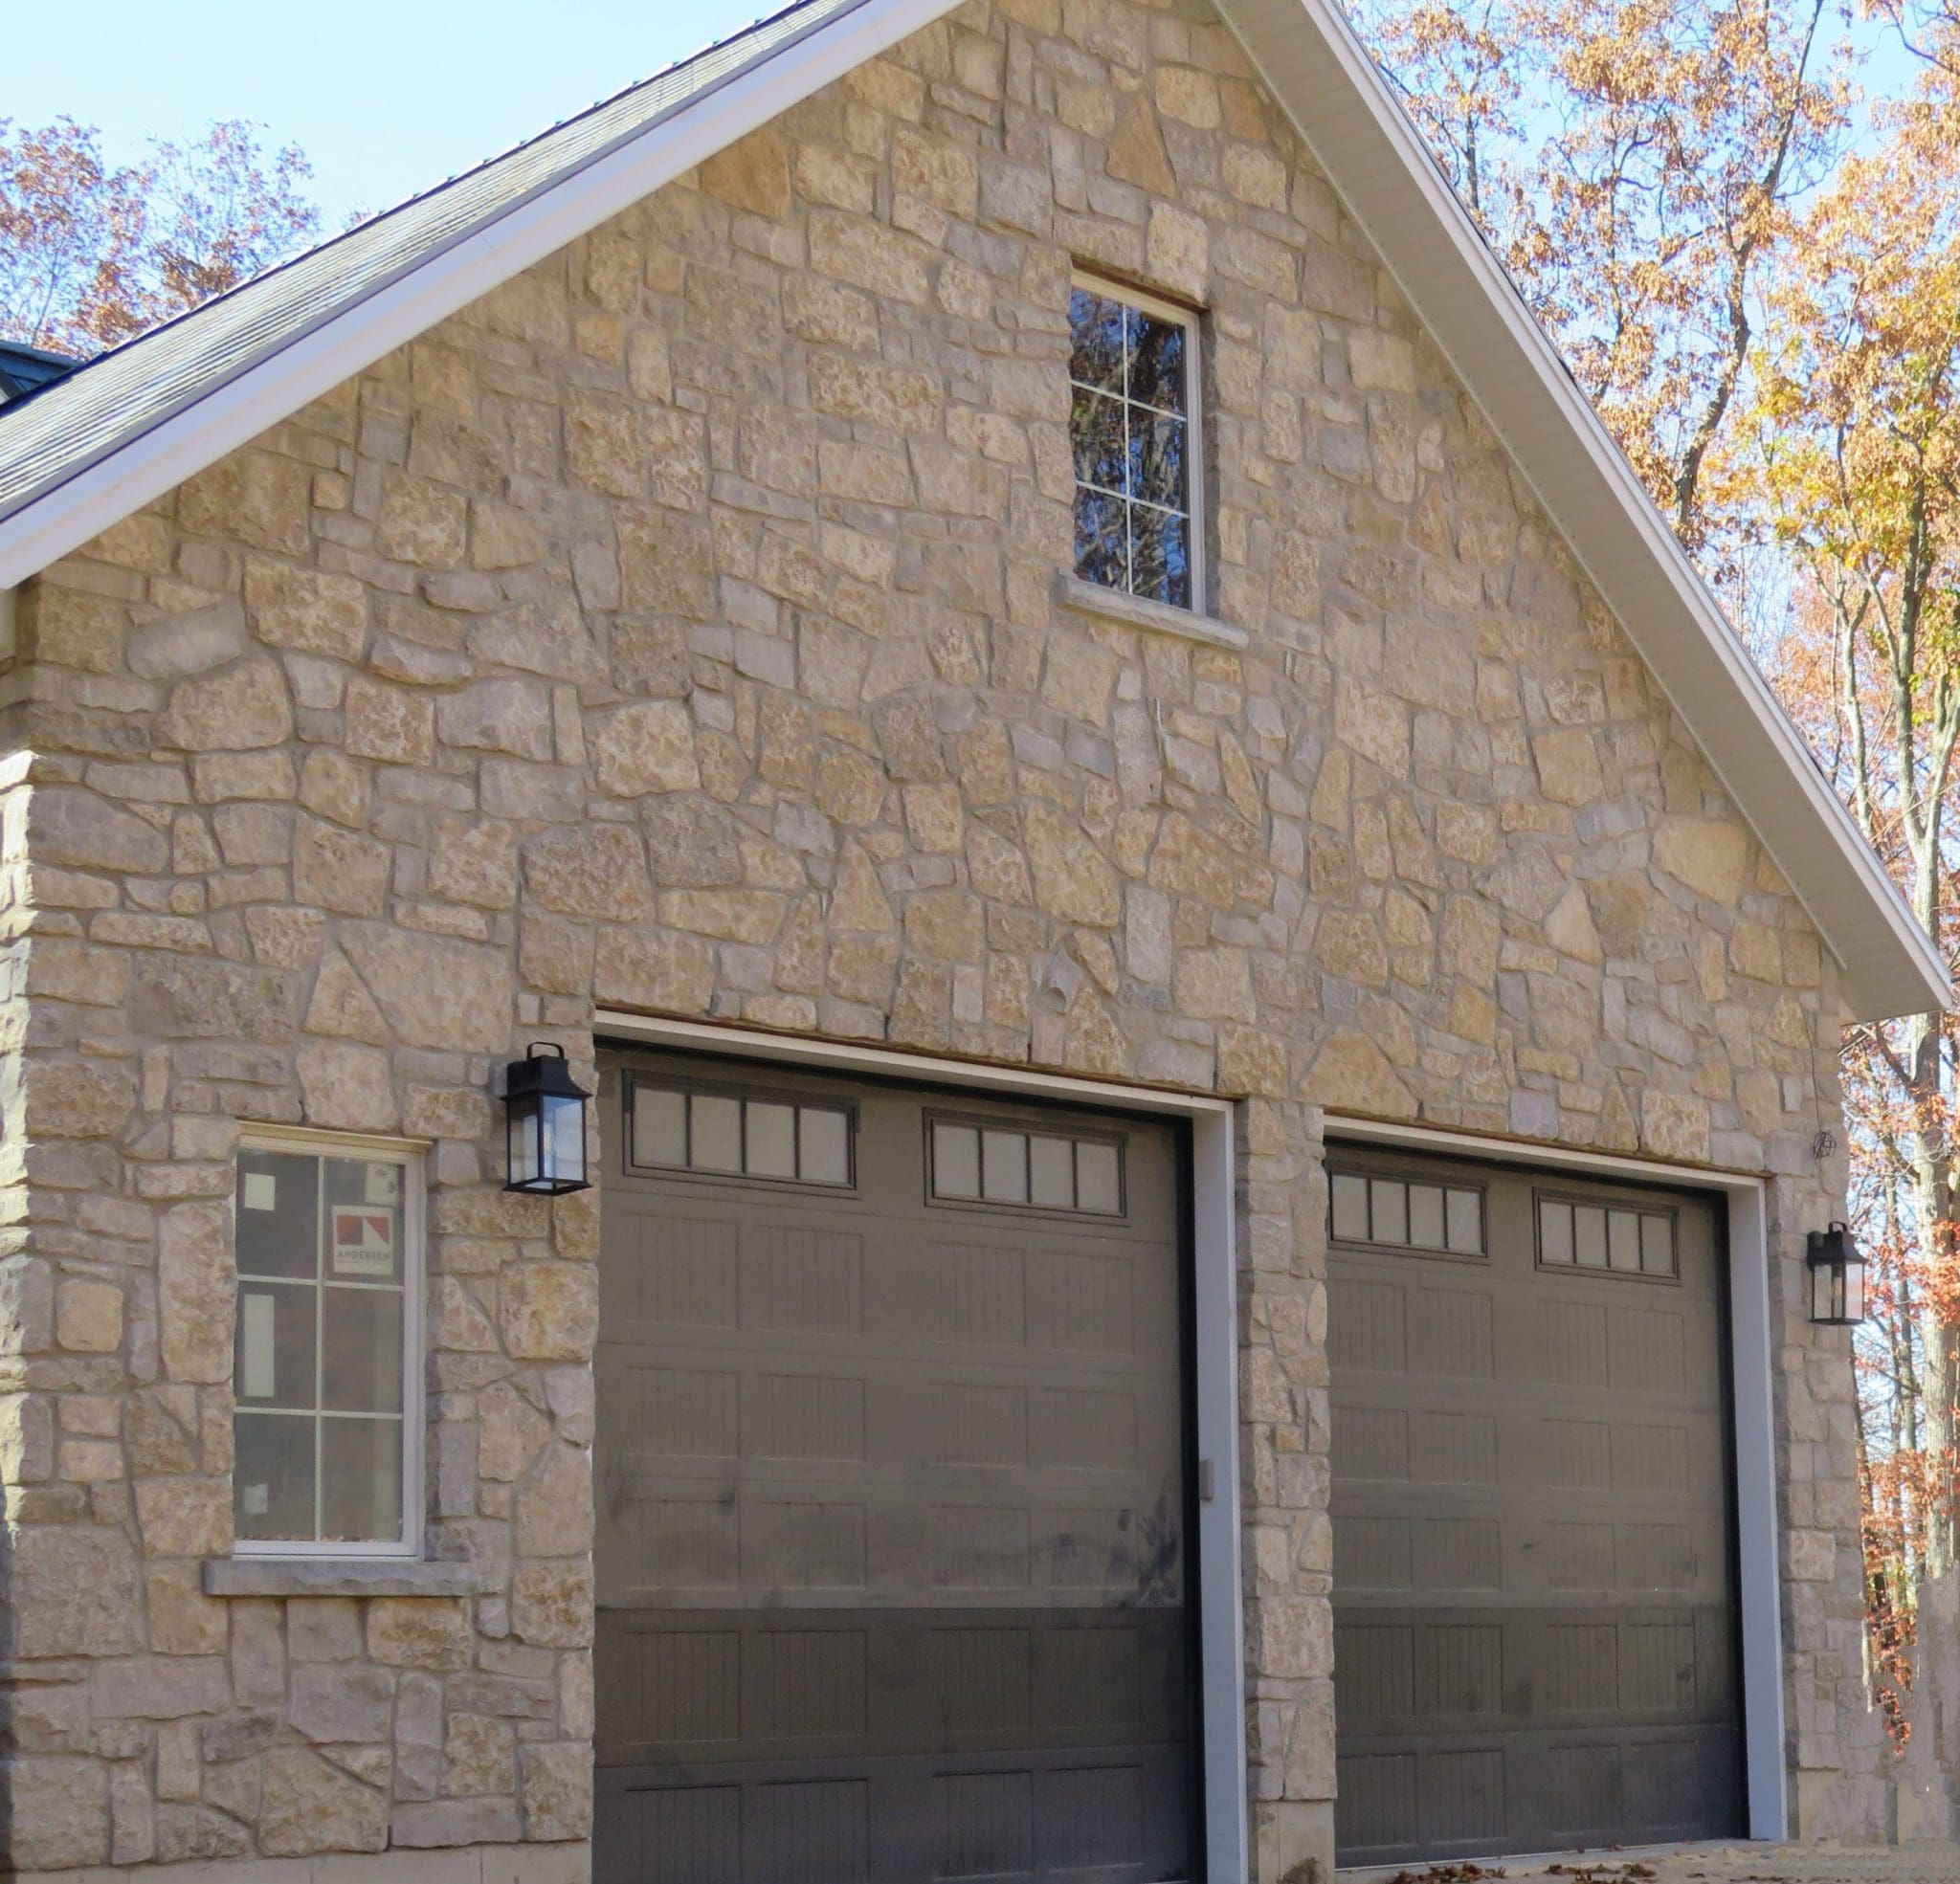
(1375, 160)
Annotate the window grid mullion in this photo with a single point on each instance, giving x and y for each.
(320, 1208)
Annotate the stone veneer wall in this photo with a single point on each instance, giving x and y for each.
(675, 630)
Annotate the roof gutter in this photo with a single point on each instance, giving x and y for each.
(1316, 66)
(230, 414)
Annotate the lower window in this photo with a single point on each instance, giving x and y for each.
(326, 1336)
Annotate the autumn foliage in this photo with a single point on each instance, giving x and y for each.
(93, 253)
(1749, 254)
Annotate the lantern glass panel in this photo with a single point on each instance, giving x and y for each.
(1854, 1291)
(564, 1138)
(524, 1126)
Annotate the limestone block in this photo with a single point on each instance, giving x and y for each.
(339, 1700)
(557, 1791)
(1707, 855)
(435, 991)
(547, 1310)
(554, 1505)
(240, 706)
(644, 748)
(59, 1813)
(309, 1806)
(88, 1317)
(551, 1603)
(305, 608)
(74, 1591)
(415, 1631)
(598, 870)
(197, 1290)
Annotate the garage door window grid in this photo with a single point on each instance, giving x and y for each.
(1406, 1213)
(776, 1138)
(327, 1349)
(1616, 1239)
(973, 1161)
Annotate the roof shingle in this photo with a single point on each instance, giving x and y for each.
(122, 394)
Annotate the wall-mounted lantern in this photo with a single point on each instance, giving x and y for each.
(547, 1123)
(1836, 1275)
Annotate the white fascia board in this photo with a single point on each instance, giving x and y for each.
(133, 475)
(1317, 67)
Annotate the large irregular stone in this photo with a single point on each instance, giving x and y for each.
(71, 1099)
(554, 1505)
(419, 1631)
(69, 825)
(1705, 854)
(1352, 1073)
(197, 1287)
(558, 1789)
(174, 646)
(497, 716)
(57, 1813)
(435, 991)
(1072, 878)
(548, 1311)
(645, 747)
(309, 1806)
(239, 708)
(306, 608)
(73, 1590)
(596, 869)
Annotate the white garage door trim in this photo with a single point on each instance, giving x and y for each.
(1755, 1434)
(1221, 1634)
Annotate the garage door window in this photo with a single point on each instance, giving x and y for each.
(1575, 1234)
(739, 1135)
(1441, 1219)
(976, 1163)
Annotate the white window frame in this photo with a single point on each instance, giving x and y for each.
(409, 1154)
(1193, 436)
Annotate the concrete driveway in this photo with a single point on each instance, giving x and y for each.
(1736, 1864)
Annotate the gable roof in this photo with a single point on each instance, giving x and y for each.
(88, 450)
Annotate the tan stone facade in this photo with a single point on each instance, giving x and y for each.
(676, 630)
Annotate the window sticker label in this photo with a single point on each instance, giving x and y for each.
(262, 1190)
(362, 1242)
(259, 1380)
(383, 1184)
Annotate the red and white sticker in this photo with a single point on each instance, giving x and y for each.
(363, 1241)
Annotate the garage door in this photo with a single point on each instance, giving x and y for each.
(892, 1575)
(1534, 1624)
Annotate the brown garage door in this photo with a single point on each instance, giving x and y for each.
(1535, 1640)
(892, 1579)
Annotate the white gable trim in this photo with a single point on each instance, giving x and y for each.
(135, 474)
(1317, 67)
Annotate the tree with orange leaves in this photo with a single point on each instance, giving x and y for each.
(91, 252)
(1760, 289)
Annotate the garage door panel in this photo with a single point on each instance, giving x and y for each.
(891, 1568)
(1537, 1556)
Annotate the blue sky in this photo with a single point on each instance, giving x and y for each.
(387, 96)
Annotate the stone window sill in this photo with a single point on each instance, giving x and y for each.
(346, 1575)
(1090, 598)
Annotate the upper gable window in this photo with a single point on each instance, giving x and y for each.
(1133, 424)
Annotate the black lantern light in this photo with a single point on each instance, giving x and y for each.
(1837, 1272)
(547, 1123)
